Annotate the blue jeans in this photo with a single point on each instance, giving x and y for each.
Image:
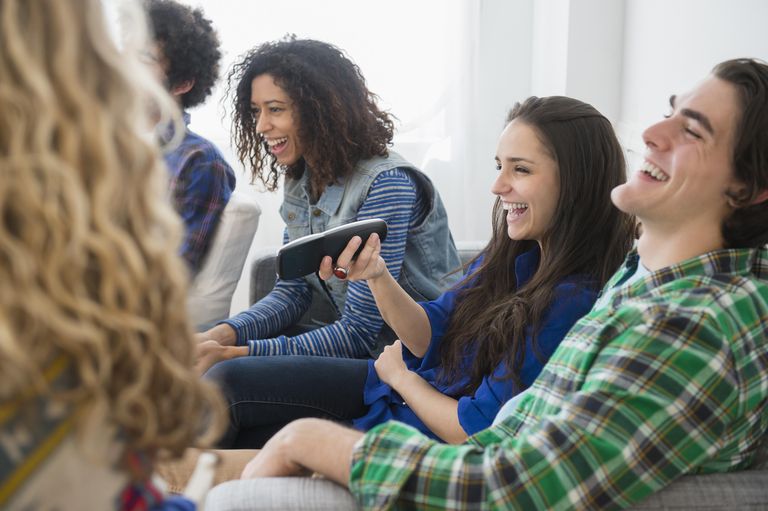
(266, 393)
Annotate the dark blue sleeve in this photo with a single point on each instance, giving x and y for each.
(571, 302)
(439, 313)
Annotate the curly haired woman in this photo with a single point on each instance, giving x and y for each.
(96, 379)
(302, 110)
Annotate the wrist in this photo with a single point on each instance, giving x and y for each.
(231, 352)
(224, 334)
(401, 380)
(379, 280)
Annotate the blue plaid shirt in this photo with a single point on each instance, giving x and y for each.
(200, 186)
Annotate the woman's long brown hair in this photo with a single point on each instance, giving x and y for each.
(588, 237)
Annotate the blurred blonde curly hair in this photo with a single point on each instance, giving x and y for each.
(88, 242)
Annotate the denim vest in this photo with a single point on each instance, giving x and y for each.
(430, 253)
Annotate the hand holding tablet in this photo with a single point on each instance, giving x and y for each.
(304, 255)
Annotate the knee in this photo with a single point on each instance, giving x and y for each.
(226, 376)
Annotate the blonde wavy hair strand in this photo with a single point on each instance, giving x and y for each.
(88, 241)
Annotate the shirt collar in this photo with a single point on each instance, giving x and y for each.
(736, 261)
(526, 265)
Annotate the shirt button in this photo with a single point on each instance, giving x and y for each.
(316, 212)
(291, 216)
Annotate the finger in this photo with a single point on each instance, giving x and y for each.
(326, 268)
(366, 255)
(345, 258)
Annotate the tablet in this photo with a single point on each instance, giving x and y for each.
(302, 256)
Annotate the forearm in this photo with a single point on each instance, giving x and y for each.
(401, 312)
(321, 446)
(438, 411)
(343, 339)
(281, 308)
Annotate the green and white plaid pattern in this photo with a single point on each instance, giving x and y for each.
(669, 377)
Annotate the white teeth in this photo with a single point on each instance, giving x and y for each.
(653, 171)
(272, 142)
(514, 205)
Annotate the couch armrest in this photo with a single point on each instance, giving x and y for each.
(263, 274)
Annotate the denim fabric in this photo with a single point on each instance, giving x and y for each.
(266, 393)
(430, 253)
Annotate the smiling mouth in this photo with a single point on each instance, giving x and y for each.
(276, 145)
(653, 171)
(515, 209)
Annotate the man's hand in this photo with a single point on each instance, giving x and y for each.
(274, 458)
(390, 365)
(305, 446)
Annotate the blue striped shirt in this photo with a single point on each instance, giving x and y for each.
(393, 197)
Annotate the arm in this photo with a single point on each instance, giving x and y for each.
(282, 307)
(397, 308)
(650, 407)
(392, 198)
(306, 445)
(438, 411)
(200, 191)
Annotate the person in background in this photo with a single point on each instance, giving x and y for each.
(666, 376)
(302, 110)
(557, 238)
(186, 56)
(96, 355)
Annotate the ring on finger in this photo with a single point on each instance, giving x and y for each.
(340, 272)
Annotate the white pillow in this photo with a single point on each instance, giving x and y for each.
(210, 293)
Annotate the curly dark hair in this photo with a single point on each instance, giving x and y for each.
(588, 236)
(189, 45)
(339, 121)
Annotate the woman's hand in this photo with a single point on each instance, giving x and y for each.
(223, 334)
(211, 352)
(368, 265)
(390, 365)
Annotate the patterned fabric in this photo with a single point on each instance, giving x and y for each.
(201, 183)
(393, 198)
(669, 378)
(43, 467)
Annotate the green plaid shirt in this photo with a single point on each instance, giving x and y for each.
(669, 377)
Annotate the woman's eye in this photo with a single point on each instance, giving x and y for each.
(498, 166)
(275, 109)
(522, 170)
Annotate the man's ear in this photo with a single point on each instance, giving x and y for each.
(182, 88)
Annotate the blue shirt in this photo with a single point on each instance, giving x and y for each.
(573, 298)
(201, 183)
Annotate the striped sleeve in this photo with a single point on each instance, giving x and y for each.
(393, 198)
(281, 308)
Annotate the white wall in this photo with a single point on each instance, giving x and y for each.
(670, 45)
(450, 69)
